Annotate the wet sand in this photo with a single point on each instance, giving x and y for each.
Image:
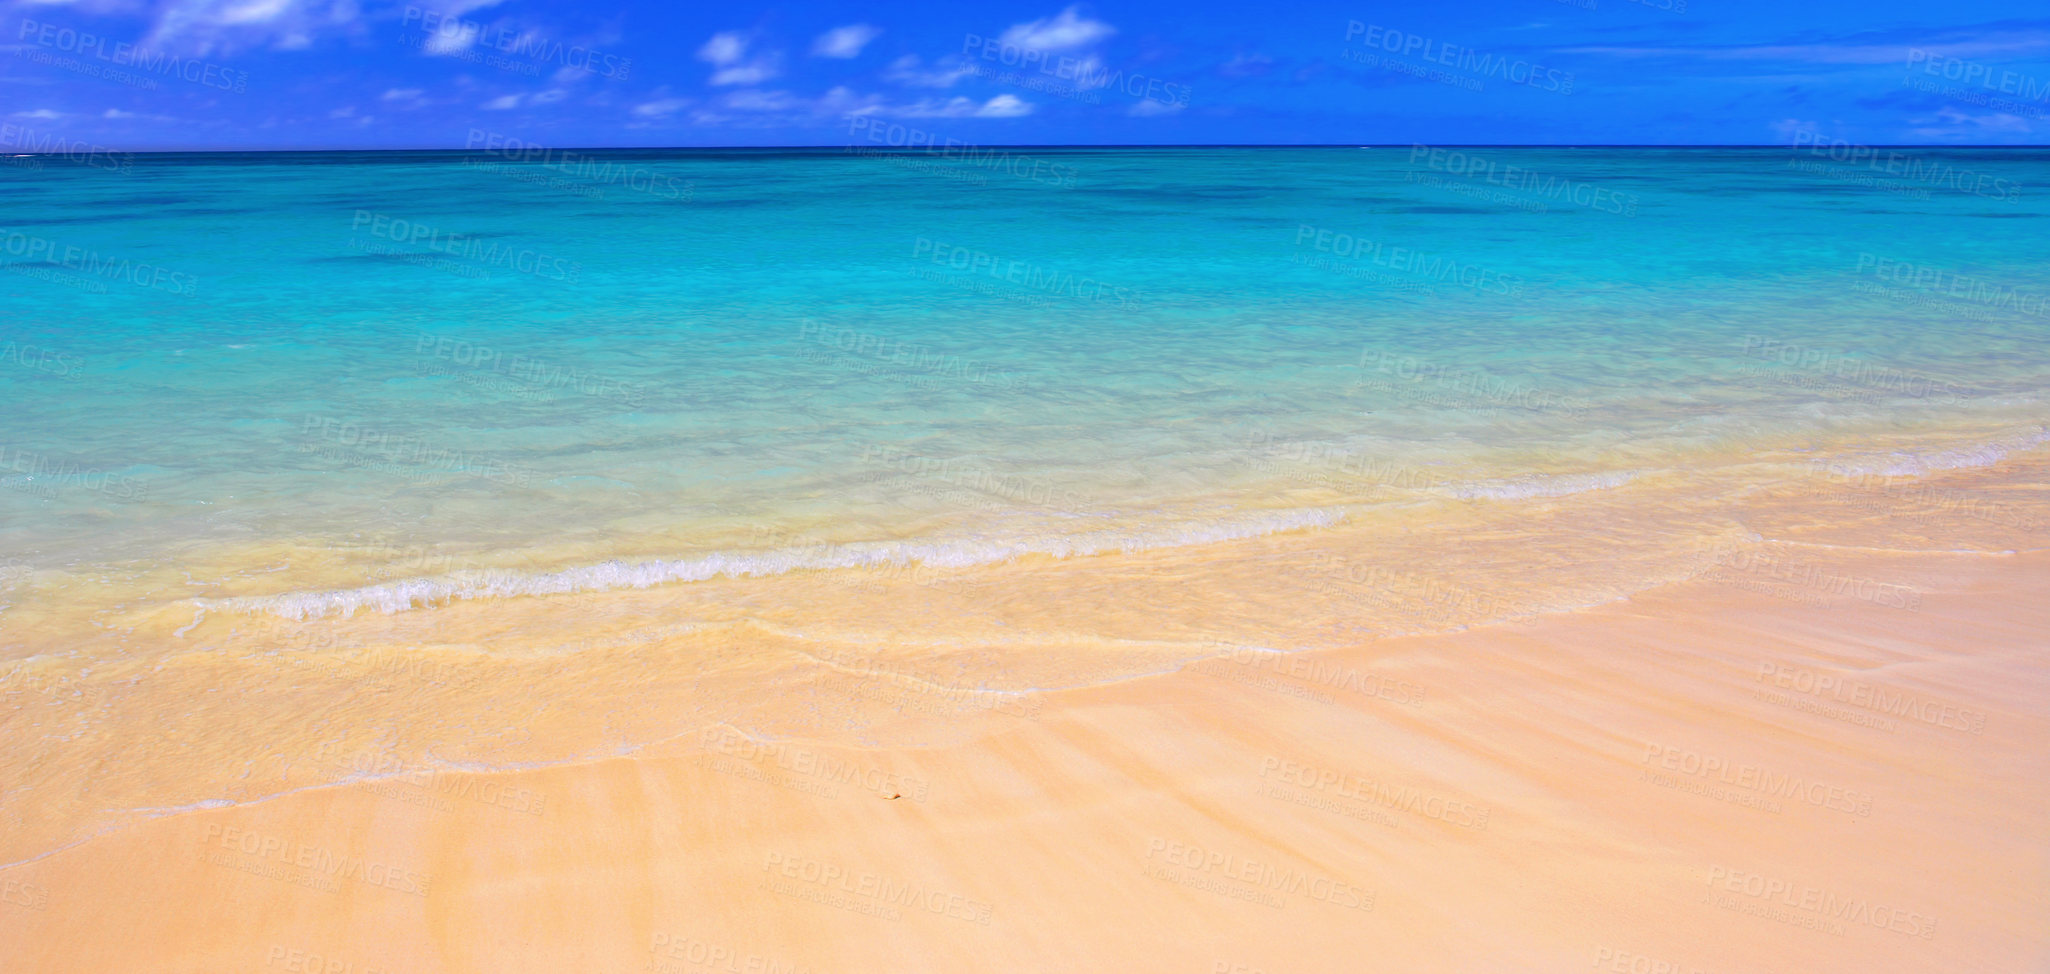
(1746, 771)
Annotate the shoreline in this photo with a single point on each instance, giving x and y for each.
(1581, 737)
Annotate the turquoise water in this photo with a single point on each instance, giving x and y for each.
(720, 361)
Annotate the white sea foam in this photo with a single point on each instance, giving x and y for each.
(1524, 488)
(1900, 464)
(414, 593)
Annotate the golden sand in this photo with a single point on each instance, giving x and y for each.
(1786, 729)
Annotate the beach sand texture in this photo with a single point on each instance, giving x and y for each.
(1816, 748)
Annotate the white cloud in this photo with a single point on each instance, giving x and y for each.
(1246, 66)
(1147, 107)
(42, 113)
(450, 33)
(661, 107)
(402, 94)
(764, 101)
(754, 108)
(450, 38)
(727, 51)
(208, 26)
(1951, 123)
(115, 113)
(457, 8)
(1787, 128)
(1002, 106)
(752, 73)
(844, 42)
(724, 48)
(1068, 29)
(502, 103)
(909, 72)
(2013, 45)
(549, 97)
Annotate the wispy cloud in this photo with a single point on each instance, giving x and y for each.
(756, 108)
(1001, 106)
(1953, 125)
(1061, 32)
(1836, 52)
(451, 33)
(845, 42)
(661, 107)
(210, 26)
(911, 73)
(1246, 66)
(727, 51)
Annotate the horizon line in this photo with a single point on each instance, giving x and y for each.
(1045, 145)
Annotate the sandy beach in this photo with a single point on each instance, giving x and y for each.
(1749, 770)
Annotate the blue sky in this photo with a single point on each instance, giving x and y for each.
(301, 74)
